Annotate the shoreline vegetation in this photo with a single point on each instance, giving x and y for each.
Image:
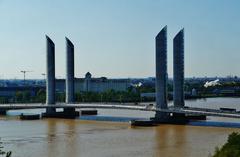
(231, 148)
(4, 153)
(92, 97)
(104, 97)
(133, 94)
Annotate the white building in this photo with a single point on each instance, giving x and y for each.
(89, 84)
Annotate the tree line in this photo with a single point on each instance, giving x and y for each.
(106, 96)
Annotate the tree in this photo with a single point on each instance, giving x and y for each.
(79, 97)
(60, 97)
(3, 100)
(41, 96)
(3, 153)
(231, 148)
(23, 96)
(19, 96)
(26, 96)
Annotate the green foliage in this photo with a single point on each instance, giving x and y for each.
(24, 96)
(131, 95)
(3, 100)
(60, 97)
(41, 96)
(231, 148)
(4, 153)
(149, 89)
(108, 96)
(19, 96)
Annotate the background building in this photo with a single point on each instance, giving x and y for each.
(90, 84)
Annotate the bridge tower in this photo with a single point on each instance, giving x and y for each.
(178, 69)
(161, 73)
(50, 75)
(69, 71)
(68, 112)
(70, 78)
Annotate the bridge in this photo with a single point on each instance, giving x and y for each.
(163, 113)
(143, 107)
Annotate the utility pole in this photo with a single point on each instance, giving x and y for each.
(44, 76)
(24, 75)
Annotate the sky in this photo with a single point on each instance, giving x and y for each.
(116, 38)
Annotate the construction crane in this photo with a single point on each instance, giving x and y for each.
(24, 75)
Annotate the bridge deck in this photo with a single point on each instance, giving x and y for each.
(185, 110)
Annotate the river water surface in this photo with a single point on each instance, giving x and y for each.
(84, 138)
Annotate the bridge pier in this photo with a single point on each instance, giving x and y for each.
(3, 112)
(71, 113)
(51, 110)
(68, 113)
(176, 118)
(161, 117)
(170, 118)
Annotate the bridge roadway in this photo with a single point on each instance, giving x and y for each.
(185, 110)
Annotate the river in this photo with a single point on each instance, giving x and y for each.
(84, 138)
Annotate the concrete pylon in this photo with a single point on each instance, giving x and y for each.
(69, 71)
(50, 74)
(178, 69)
(161, 72)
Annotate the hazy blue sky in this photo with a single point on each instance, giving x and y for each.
(115, 38)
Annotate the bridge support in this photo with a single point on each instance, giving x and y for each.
(178, 69)
(178, 72)
(3, 112)
(68, 113)
(50, 72)
(50, 79)
(70, 79)
(170, 118)
(69, 71)
(161, 74)
(162, 77)
(50, 82)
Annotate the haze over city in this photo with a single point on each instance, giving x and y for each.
(116, 38)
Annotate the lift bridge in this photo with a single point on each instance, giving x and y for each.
(162, 110)
(142, 107)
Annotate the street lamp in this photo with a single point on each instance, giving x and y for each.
(24, 75)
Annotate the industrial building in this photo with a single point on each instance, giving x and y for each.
(90, 84)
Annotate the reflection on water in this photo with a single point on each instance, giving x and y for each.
(51, 136)
(168, 138)
(62, 137)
